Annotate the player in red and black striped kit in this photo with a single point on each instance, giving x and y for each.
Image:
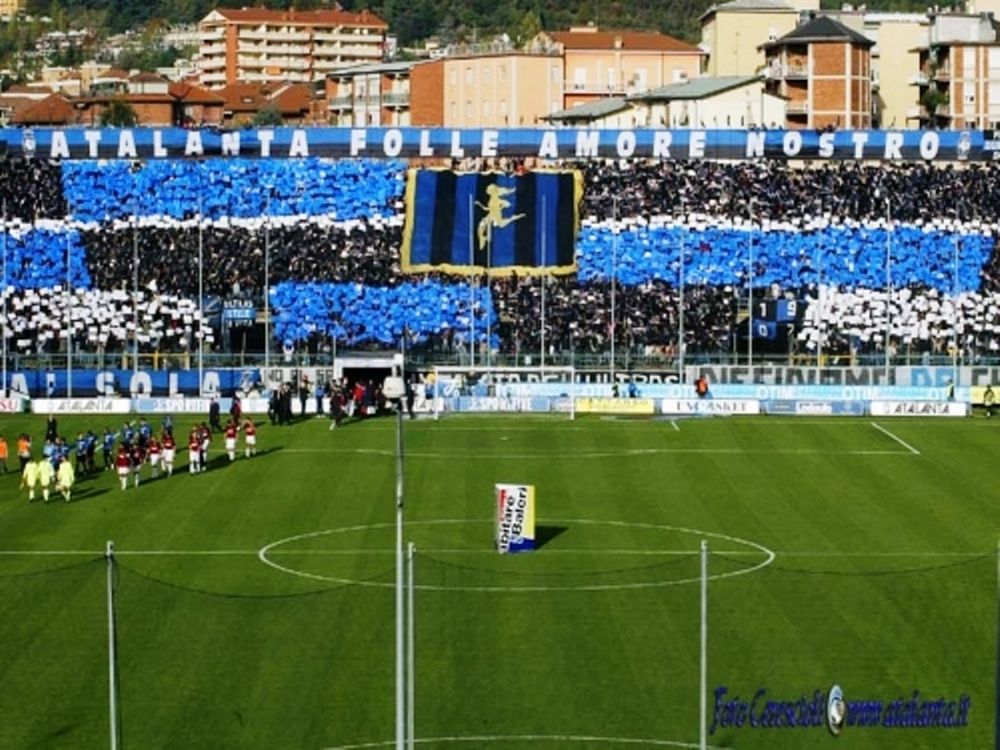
(230, 434)
(250, 437)
(123, 465)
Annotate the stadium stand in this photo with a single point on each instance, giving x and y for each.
(331, 230)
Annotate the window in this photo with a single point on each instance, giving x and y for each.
(486, 109)
(468, 108)
(579, 79)
(502, 73)
(453, 77)
(469, 75)
(639, 79)
(612, 78)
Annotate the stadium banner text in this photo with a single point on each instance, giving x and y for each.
(674, 406)
(816, 408)
(906, 376)
(515, 522)
(13, 405)
(638, 406)
(114, 383)
(541, 143)
(918, 409)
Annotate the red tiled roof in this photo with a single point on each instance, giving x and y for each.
(147, 78)
(113, 73)
(244, 97)
(53, 110)
(19, 88)
(189, 94)
(293, 99)
(302, 17)
(626, 40)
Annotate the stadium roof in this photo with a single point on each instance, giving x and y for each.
(387, 67)
(590, 110)
(696, 88)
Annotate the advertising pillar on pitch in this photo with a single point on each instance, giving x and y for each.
(515, 530)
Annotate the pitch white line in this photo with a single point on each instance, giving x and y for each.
(264, 552)
(898, 439)
(597, 454)
(673, 423)
(528, 738)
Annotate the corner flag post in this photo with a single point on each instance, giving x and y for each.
(109, 555)
(703, 683)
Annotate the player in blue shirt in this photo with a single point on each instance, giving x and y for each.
(108, 449)
(81, 453)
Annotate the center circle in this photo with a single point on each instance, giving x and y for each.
(265, 555)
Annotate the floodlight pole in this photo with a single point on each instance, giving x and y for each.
(109, 555)
(954, 302)
(3, 385)
(544, 279)
(400, 603)
(472, 277)
(135, 293)
(888, 286)
(69, 323)
(750, 294)
(410, 652)
(703, 682)
(614, 279)
(267, 283)
(201, 300)
(680, 300)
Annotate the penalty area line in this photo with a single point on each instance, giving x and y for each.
(895, 437)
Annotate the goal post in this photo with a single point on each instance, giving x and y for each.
(504, 390)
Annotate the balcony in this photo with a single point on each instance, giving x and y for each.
(800, 107)
(253, 34)
(210, 78)
(253, 49)
(943, 110)
(251, 62)
(341, 102)
(942, 74)
(795, 71)
(287, 49)
(373, 50)
(920, 79)
(916, 113)
(215, 35)
(212, 63)
(213, 49)
(396, 99)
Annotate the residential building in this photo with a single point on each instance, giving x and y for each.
(724, 102)
(156, 102)
(53, 110)
(370, 95)
(508, 89)
(894, 59)
(604, 63)
(257, 45)
(823, 68)
(296, 103)
(732, 34)
(959, 74)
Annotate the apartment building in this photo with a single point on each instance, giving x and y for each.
(732, 34)
(959, 74)
(607, 63)
(370, 95)
(508, 89)
(823, 68)
(257, 45)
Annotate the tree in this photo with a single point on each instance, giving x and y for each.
(269, 116)
(119, 114)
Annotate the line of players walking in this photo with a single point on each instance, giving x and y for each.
(126, 452)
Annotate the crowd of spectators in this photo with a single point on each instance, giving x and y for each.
(844, 237)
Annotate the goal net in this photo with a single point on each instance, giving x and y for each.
(503, 390)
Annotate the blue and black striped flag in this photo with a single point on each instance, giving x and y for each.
(473, 222)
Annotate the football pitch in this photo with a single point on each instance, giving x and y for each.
(255, 601)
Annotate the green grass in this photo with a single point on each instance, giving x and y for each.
(884, 580)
